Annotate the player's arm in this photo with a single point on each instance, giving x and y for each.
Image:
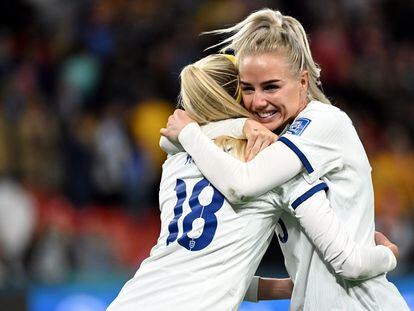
(274, 288)
(348, 259)
(235, 179)
(253, 178)
(229, 127)
(272, 167)
(169, 146)
(269, 289)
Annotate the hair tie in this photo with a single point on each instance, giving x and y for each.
(232, 58)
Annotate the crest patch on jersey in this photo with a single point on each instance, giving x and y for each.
(298, 126)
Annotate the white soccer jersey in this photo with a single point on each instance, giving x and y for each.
(207, 252)
(326, 142)
(323, 138)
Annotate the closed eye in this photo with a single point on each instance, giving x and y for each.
(247, 88)
(271, 87)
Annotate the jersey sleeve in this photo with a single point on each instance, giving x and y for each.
(316, 137)
(229, 127)
(240, 181)
(319, 222)
(170, 147)
(252, 291)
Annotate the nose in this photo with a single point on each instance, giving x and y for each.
(259, 100)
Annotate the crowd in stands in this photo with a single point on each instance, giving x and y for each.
(86, 86)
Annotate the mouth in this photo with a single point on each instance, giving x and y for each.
(267, 116)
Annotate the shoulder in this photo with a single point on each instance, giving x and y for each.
(319, 116)
(316, 109)
(179, 162)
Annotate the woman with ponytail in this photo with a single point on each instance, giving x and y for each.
(208, 250)
(310, 138)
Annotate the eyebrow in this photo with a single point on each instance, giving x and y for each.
(263, 83)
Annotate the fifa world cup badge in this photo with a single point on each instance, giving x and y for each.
(298, 126)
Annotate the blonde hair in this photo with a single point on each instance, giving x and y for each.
(267, 31)
(234, 146)
(210, 88)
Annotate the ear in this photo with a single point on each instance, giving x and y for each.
(304, 84)
(304, 80)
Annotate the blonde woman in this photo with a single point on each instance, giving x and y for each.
(208, 250)
(281, 88)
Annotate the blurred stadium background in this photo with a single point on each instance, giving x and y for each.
(85, 87)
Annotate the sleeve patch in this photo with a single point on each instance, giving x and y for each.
(298, 126)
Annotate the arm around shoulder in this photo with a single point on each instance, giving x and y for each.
(270, 168)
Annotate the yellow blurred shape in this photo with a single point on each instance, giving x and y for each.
(147, 118)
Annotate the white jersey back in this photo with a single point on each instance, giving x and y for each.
(326, 142)
(207, 251)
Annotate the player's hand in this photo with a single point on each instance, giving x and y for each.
(258, 138)
(381, 239)
(176, 122)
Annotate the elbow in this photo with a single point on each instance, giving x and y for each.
(234, 197)
(239, 194)
(352, 275)
(352, 271)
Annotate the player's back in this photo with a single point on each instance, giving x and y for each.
(207, 250)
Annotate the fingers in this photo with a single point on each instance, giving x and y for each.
(251, 140)
(179, 114)
(258, 146)
(257, 142)
(175, 123)
(251, 126)
(253, 150)
(394, 249)
(258, 138)
(182, 116)
(169, 130)
(381, 239)
(171, 120)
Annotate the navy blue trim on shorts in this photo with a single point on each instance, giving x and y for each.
(299, 153)
(309, 193)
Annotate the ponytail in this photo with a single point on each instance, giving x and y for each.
(210, 90)
(267, 31)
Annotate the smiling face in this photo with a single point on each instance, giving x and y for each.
(271, 92)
